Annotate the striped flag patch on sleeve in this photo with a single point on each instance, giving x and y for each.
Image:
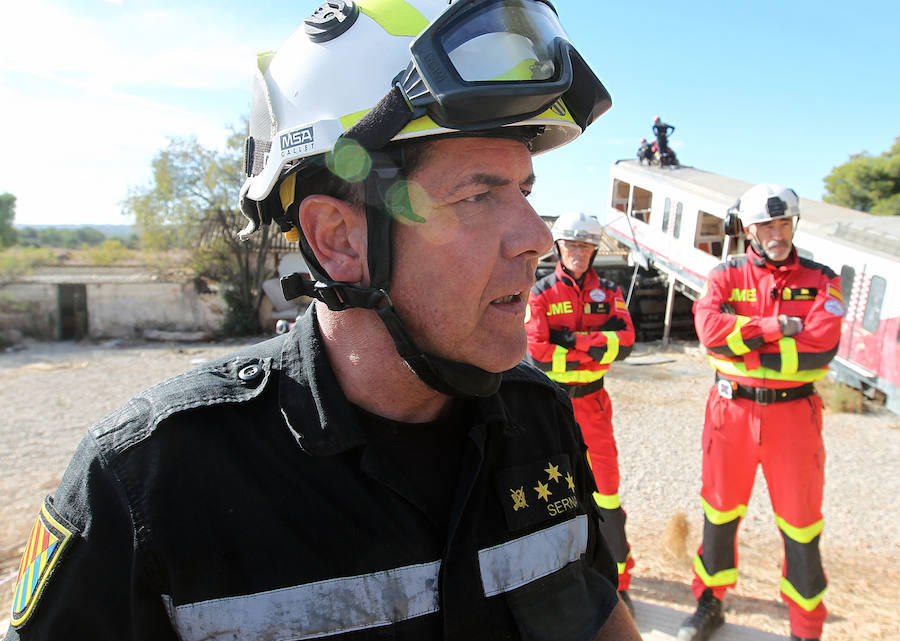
(44, 547)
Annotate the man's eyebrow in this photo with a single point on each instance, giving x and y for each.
(492, 180)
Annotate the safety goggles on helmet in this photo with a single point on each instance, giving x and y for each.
(484, 64)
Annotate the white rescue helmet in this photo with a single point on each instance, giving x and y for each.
(765, 202)
(578, 227)
(467, 65)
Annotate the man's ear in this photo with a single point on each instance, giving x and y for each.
(336, 232)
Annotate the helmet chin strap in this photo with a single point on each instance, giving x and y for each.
(445, 376)
(758, 248)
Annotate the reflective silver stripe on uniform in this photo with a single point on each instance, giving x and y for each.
(346, 604)
(512, 564)
(313, 610)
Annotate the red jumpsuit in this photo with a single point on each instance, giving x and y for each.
(763, 410)
(596, 316)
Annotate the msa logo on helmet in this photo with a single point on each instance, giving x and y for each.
(297, 141)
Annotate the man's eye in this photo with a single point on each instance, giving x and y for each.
(477, 198)
(525, 192)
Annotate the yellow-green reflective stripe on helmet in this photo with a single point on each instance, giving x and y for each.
(557, 111)
(716, 517)
(286, 191)
(263, 59)
(800, 534)
(722, 577)
(397, 17)
(734, 340)
(789, 358)
(807, 604)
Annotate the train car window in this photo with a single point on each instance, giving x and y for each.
(620, 193)
(848, 275)
(677, 230)
(640, 204)
(873, 304)
(666, 209)
(710, 233)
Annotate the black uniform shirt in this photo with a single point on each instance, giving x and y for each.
(243, 500)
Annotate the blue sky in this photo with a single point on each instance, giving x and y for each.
(763, 91)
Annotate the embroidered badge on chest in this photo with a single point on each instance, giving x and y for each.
(537, 491)
(596, 308)
(44, 547)
(597, 295)
(799, 293)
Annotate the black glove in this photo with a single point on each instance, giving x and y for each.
(727, 308)
(614, 324)
(562, 338)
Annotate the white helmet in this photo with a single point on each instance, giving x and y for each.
(429, 66)
(765, 202)
(578, 227)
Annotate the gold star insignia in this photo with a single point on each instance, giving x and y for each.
(543, 491)
(570, 481)
(553, 472)
(518, 498)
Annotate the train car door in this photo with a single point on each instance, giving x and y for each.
(861, 339)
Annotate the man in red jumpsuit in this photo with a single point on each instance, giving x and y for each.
(577, 324)
(770, 322)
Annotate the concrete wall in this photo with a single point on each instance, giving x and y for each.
(114, 310)
(29, 309)
(127, 309)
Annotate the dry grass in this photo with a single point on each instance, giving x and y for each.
(675, 536)
(838, 397)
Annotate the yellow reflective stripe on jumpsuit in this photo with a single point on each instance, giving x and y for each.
(734, 340)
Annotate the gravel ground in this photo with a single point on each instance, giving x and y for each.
(53, 391)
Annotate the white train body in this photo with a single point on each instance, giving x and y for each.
(671, 220)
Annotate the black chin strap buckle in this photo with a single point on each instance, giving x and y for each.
(336, 295)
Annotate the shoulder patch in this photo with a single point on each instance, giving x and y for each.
(43, 551)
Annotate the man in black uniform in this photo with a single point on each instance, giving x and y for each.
(387, 470)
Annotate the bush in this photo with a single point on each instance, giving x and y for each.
(109, 252)
(17, 261)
